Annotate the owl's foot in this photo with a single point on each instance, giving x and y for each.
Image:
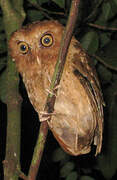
(44, 116)
(50, 91)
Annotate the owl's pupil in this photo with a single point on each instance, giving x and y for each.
(46, 40)
(23, 48)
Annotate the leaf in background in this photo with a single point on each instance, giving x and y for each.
(104, 15)
(66, 169)
(115, 1)
(109, 10)
(86, 178)
(59, 155)
(105, 167)
(90, 42)
(106, 8)
(104, 39)
(107, 162)
(42, 1)
(34, 15)
(104, 74)
(113, 12)
(60, 3)
(72, 176)
(33, 1)
(108, 55)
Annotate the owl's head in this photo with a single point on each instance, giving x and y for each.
(37, 43)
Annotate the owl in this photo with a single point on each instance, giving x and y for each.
(77, 121)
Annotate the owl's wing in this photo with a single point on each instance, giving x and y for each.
(86, 73)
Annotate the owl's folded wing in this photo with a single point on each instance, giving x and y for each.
(86, 73)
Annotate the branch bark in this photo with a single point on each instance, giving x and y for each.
(49, 107)
(13, 18)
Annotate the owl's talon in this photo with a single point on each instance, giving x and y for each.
(44, 116)
(42, 119)
(56, 87)
(50, 92)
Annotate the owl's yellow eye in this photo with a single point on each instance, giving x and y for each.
(47, 40)
(23, 47)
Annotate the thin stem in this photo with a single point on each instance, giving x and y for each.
(102, 27)
(104, 63)
(44, 11)
(49, 107)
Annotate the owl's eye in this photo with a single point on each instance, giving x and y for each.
(23, 47)
(47, 40)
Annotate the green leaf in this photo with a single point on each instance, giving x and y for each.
(72, 176)
(104, 39)
(66, 169)
(60, 3)
(34, 15)
(106, 167)
(115, 1)
(113, 11)
(59, 155)
(106, 8)
(105, 14)
(90, 42)
(104, 73)
(33, 1)
(108, 55)
(86, 178)
(42, 1)
(107, 162)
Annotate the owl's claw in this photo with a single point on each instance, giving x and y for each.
(44, 116)
(50, 92)
(56, 87)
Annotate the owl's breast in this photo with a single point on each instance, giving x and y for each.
(35, 89)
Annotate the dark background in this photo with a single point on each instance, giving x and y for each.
(101, 44)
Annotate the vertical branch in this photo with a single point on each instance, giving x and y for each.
(13, 18)
(49, 107)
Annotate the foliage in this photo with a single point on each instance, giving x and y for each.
(96, 29)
